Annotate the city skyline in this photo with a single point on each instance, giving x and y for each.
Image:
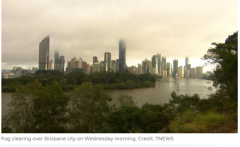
(147, 27)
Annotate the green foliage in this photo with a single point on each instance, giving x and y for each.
(36, 109)
(184, 102)
(125, 100)
(225, 55)
(211, 122)
(110, 80)
(49, 109)
(88, 108)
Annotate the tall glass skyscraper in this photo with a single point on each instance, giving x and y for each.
(44, 54)
(122, 55)
(175, 68)
(107, 61)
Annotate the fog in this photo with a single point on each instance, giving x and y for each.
(87, 28)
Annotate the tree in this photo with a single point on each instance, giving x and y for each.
(50, 109)
(20, 118)
(225, 55)
(88, 108)
(37, 109)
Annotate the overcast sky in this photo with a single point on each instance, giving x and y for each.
(87, 28)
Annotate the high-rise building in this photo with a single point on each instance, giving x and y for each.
(62, 63)
(113, 66)
(102, 65)
(180, 72)
(140, 69)
(107, 61)
(199, 71)
(189, 68)
(58, 62)
(77, 63)
(187, 72)
(50, 65)
(175, 68)
(159, 59)
(155, 64)
(169, 69)
(186, 61)
(193, 73)
(44, 54)
(163, 66)
(122, 55)
(95, 59)
(185, 67)
(117, 65)
(96, 67)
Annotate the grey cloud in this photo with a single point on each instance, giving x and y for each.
(175, 28)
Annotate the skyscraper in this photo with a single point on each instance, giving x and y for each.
(186, 61)
(58, 62)
(122, 55)
(163, 66)
(159, 59)
(175, 68)
(44, 54)
(185, 67)
(95, 59)
(155, 63)
(107, 61)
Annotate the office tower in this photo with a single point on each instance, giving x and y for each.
(189, 68)
(96, 67)
(155, 64)
(187, 72)
(95, 59)
(186, 61)
(199, 71)
(175, 68)
(56, 59)
(169, 69)
(44, 54)
(159, 59)
(58, 62)
(113, 66)
(144, 66)
(163, 66)
(56, 56)
(140, 69)
(107, 61)
(68, 68)
(193, 73)
(122, 55)
(50, 65)
(117, 65)
(102, 65)
(84, 66)
(62, 63)
(180, 72)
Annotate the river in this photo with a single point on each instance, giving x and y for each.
(155, 95)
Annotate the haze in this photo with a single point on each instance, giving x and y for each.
(87, 28)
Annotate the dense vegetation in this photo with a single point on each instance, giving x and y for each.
(118, 80)
(45, 108)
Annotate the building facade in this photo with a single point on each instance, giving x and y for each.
(122, 55)
(44, 54)
(107, 62)
(175, 68)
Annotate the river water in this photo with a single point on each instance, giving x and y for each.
(155, 95)
(162, 90)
